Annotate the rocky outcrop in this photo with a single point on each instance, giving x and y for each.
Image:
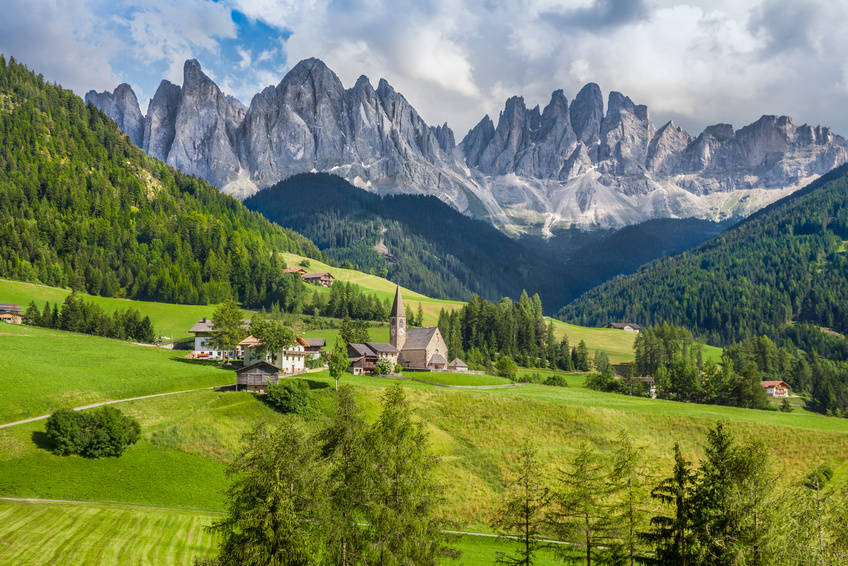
(161, 121)
(565, 165)
(122, 106)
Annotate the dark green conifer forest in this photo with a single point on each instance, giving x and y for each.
(784, 265)
(82, 207)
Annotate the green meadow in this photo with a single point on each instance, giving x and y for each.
(42, 533)
(45, 370)
(172, 321)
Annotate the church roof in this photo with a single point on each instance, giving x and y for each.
(419, 338)
(397, 306)
(438, 359)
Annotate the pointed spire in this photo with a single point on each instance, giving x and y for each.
(397, 306)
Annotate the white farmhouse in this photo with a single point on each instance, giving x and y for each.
(289, 360)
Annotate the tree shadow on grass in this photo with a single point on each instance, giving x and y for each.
(40, 439)
(212, 364)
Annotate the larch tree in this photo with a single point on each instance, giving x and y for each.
(522, 512)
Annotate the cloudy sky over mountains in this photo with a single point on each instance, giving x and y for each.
(698, 62)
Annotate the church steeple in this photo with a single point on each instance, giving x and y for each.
(397, 322)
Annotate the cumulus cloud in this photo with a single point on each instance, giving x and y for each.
(697, 61)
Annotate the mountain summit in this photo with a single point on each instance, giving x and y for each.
(566, 165)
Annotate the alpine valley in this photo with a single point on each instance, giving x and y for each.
(567, 165)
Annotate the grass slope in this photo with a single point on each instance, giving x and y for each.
(168, 319)
(383, 288)
(45, 370)
(38, 533)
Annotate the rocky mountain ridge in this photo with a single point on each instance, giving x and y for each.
(535, 170)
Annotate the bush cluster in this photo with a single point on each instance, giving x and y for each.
(290, 396)
(93, 434)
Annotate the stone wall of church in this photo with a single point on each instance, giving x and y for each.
(415, 359)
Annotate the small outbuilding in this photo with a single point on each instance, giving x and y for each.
(256, 377)
(626, 326)
(457, 365)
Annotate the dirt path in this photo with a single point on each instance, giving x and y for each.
(41, 418)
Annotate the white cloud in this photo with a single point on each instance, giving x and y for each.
(699, 61)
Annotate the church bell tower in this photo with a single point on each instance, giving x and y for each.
(397, 322)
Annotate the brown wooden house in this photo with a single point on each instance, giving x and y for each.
(256, 377)
(324, 279)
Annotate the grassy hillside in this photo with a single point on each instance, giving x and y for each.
(383, 288)
(188, 438)
(168, 319)
(45, 370)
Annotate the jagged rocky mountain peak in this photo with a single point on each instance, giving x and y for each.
(122, 106)
(571, 163)
(587, 112)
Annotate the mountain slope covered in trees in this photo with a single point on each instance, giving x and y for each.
(82, 207)
(786, 264)
(426, 245)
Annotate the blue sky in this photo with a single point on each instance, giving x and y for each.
(698, 62)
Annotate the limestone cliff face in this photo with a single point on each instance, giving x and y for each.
(569, 164)
(122, 106)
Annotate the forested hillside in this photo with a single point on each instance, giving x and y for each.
(428, 246)
(82, 207)
(786, 264)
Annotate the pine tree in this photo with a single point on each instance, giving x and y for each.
(276, 504)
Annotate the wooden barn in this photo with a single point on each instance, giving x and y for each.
(256, 377)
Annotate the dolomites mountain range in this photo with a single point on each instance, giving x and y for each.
(567, 165)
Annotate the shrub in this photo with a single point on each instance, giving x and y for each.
(94, 434)
(398, 368)
(534, 377)
(383, 366)
(290, 396)
(506, 367)
(556, 381)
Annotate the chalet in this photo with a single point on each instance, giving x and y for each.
(776, 388)
(363, 357)
(315, 347)
(420, 348)
(299, 270)
(203, 331)
(289, 360)
(12, 314)
(626, 326)
(324, 279)
(256, 377)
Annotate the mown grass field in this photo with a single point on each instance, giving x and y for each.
(36, 533)
(41, 533)
(45, 370)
